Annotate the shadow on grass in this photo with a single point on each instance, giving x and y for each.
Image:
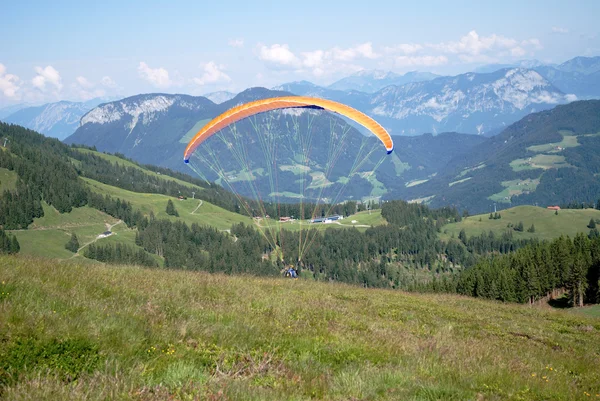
(560, 303)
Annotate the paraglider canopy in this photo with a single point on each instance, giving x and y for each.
(260, 106)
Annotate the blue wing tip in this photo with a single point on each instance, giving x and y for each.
(186, 160)
(390, 151)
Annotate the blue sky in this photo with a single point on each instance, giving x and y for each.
(79, 50)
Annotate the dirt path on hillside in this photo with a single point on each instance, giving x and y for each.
(351, 225)
(197, 207)
(228, 231)
(109, 227)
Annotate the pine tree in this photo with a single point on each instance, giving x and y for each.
(171, 211)
(463, 236)
(591, 224)
(531, 229)
(73, 244)
(14, 245)
(577, 279)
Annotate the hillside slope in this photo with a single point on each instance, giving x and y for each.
(550, 157)
(126, 332)
(547, 224)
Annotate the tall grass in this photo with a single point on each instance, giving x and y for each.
(106, 332)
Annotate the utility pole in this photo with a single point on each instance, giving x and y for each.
(494, 207)
(193, 194)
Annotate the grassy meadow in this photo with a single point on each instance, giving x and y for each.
(547, 224)
(48, 235)
(8, 180)
(89, 332)
(207, 213)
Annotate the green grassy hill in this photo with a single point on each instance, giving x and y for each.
(190, 210)
(47, 236)
(547, 224)
(76, 331)
(115, 159)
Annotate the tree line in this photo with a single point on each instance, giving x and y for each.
(538, 270)
(119, 253)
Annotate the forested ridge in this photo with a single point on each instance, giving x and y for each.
(404, 254)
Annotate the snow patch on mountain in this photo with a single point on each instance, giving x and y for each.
(515, 89)
(68, 112)
(147, 107)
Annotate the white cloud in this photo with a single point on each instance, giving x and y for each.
(108, 82)
(84, 83)
(535, 43)
(405, 48)
(159, 77)
(213, 73)
(364, 50)
(424, 61)
(479, 58)
(471, 46)
(474, 44)
(517, 51)
(279, 55)
(47, 75)
(558, 29)
(83, 89)
(236, 42)
(319, 62)
(9, 83)
(570, 97)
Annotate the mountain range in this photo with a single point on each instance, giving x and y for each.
(57, 120)
(155, 129)
(373, 80)
(523, 164)
(476, 103)
(425, 102)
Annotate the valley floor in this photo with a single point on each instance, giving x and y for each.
(80, 331)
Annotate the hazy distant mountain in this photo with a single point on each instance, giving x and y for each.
(518, 64)
(579, 76)
(373, 80)
(220, 97)
(58, 120)
(582, 65)
(8, 110)
(470, 103)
